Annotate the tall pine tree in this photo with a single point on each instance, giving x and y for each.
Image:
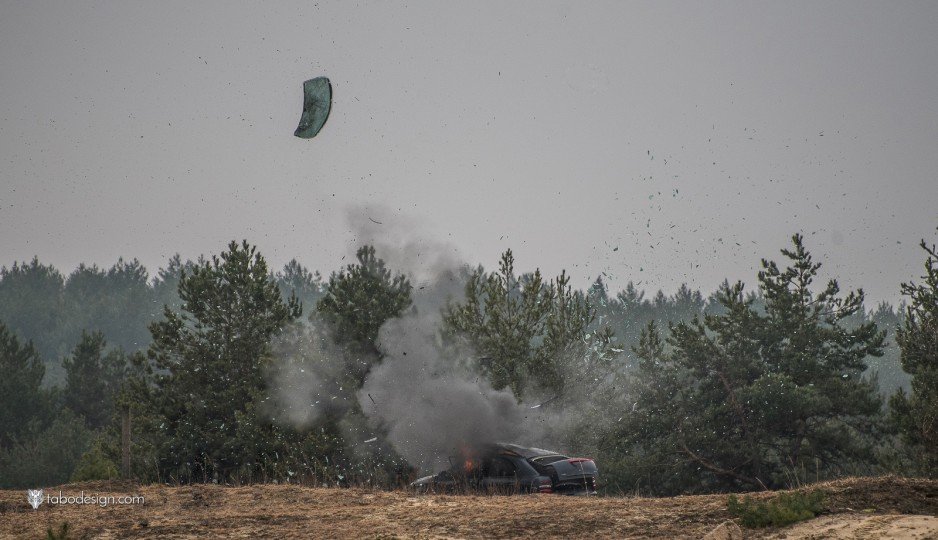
(22, 400)
(917, 412)
(745, 399)
(538, 338)
(93, 378)
(210, 358)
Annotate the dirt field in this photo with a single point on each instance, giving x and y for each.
(858, 508)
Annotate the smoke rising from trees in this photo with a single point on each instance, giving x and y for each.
(425, 393)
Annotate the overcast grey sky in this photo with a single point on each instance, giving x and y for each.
(683, 134)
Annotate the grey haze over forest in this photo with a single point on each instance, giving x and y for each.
(634, 140)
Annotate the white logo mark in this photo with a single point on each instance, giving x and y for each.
(34, 496)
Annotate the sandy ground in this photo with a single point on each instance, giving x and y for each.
(864, 527)
(858, 508)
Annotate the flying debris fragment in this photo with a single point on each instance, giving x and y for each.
(539, 405)
(317, 102)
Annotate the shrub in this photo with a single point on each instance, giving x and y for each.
(94, 465)
(62, 533)
(45, 456)
(784, 509)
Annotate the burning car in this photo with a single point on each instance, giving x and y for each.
(508, 469)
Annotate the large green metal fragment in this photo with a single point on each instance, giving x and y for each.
(317, 102)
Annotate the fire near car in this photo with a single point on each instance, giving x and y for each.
(507, 469)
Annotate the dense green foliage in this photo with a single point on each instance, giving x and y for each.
(225, 381)
(39, 304)
(94, 465)
(746, 400)
(32, 306)
(93, 379)
(40, 441)
(531, 332)
(24, 401)
(296, 280)
(357, 302)
(782, 509)
(210, 357)
(46, 453)
(337, 348)
(917, 412)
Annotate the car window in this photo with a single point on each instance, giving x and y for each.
(501, 467)
(547, 460)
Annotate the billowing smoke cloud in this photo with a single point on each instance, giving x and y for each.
(307, 378)
(422, 259)
(424, 394)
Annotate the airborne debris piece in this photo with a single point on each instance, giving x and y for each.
(317, 102)
(541, 404)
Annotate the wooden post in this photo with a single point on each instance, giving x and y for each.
(125, 442)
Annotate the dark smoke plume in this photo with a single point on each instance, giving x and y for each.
(426, 394)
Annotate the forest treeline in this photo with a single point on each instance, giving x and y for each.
(790, 380)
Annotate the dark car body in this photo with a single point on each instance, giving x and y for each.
(508, 469)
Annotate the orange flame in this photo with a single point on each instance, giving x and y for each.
(468, 458)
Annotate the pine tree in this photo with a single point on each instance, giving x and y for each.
(115, 302)
(339, 351)
(210, 358)
(31, 306)
(21, 398)
(745, 399)
(917, 413)
(93, 379)
(297, 280)
(357, 303)
(533, 335)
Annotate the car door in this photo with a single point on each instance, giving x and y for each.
(501, 476)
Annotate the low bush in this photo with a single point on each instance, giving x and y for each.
(783, 509)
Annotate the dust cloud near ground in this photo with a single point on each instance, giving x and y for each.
(855, 508)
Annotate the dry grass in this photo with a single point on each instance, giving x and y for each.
(284, 511)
